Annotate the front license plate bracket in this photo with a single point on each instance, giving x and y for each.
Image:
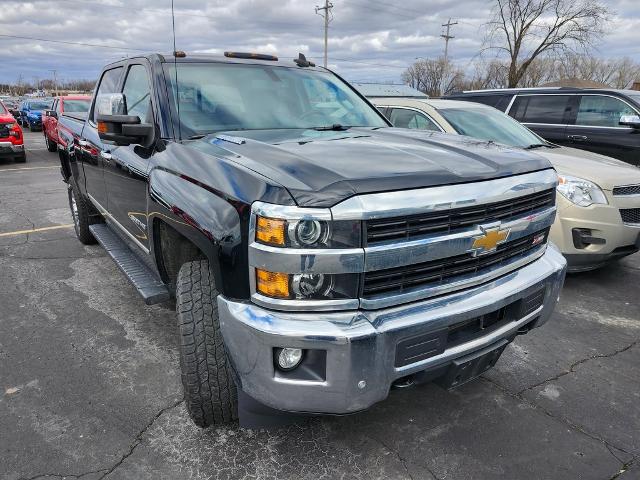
(465, 369)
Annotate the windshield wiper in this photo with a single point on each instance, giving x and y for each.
(536, 145)
(335, 127)
(196, 137)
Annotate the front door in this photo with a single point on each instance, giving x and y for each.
(126, 168)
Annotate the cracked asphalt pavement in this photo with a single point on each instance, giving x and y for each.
(90, 383)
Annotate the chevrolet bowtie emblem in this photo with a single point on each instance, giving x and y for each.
(489, 240)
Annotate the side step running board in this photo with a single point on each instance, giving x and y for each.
(150, 288)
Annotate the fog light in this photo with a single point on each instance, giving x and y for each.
(289, 358)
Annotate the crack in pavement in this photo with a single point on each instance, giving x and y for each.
(138, 438)
(578, 363)
(625, 466)
(66, 475)
(566, 421)
(136, 441)
(402, 460)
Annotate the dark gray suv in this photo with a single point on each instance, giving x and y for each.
(604, 121)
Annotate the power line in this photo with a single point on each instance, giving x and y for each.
(72, 43)
(384, 10)
(404, 9)
(177, 13)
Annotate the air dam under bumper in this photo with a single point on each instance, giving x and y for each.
(361, 345)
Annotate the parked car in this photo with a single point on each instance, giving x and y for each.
(12, 106)
(11, 139)
(31, 113)
(68, 104)
(317, 255)
(604, 121)
(599, 207)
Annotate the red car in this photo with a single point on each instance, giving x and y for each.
(11, 139)
(68, 104)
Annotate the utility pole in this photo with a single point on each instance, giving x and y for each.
(55, 81)
(327, 19)
(447, 37)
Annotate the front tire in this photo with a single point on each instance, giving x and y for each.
(210, 392)
(80, 214)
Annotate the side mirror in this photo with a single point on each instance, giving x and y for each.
(116, 127)
(51, 113)
(632, 121)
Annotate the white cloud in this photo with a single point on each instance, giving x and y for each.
(368, 40)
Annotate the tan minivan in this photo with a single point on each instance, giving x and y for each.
(599, 203)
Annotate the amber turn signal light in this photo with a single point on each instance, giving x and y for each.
(102, 127)
(270, 231)
(272, 284)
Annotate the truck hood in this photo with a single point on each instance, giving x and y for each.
(606, 172)
(322, 168)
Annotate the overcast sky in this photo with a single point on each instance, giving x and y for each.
(370, 40)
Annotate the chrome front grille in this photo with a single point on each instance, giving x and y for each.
(439, 272)
(449, 221)
(626, 190)
(416, 244)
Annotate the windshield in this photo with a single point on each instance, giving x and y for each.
(72, 106)
(490, 124)
(217, 97)
(39, 105)
(2, 109)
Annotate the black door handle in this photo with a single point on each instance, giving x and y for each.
(578, 138)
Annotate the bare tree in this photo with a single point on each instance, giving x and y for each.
(526, 29)
(435, 77)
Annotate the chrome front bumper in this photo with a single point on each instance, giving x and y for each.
(360, 346)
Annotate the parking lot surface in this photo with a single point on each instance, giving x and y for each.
(91, 384)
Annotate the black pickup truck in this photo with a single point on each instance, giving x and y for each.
(317, 256)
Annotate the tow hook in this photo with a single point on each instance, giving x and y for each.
(404, 382)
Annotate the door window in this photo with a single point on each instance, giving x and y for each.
(601, 111)
(540, 108)
(108, 84)
(405, 118)
(137, 92)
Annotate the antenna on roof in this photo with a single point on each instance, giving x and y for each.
(176, 54)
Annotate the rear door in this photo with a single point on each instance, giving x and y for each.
(126, 168)
(546, 114)
(90, 146)
(595, 127)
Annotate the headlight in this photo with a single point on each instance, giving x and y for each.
(302, 256)
(307, 286)
(307, 233)
(580, 192)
